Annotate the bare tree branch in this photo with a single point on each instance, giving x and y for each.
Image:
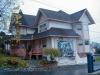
(6, 8)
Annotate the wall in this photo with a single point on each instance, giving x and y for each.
(52, 42)
(24, 30)
(85, 23)
(56, 24)
(77, 27)
(84, 33)
(42, 20)
(50, 24)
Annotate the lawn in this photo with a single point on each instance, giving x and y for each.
(97, 58)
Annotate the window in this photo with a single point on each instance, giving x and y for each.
(86, 42)
(42, 28)
(60, 38)
(79, 27)
(44, 43)
(80, 42)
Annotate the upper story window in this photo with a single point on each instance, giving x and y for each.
(79, 27)
(42, 27)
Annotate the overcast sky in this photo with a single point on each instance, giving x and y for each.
(69, 6)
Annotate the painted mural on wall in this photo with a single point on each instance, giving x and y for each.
(66, 48)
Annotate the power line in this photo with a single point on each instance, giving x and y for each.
(48, 4)
(45, 4)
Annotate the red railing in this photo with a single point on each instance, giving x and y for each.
(36, 51)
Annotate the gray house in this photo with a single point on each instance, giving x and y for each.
(58, 29)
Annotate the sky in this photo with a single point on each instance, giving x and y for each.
(69, 6)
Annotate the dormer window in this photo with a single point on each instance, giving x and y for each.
(42, 27)
(78, 27)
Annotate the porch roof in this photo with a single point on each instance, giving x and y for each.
(56, 32)
(24, 37)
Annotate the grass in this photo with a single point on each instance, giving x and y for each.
(97, 58)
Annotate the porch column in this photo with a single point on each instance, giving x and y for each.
(52, 43)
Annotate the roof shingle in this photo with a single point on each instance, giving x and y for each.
(27, 20)
(56, 32)
(60, 15)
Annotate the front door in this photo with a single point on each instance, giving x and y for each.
(66, 48)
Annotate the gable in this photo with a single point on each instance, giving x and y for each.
(56, 15)
(41, 17)
(86, 18)
(76, 16)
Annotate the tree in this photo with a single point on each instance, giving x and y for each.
(6, 8)
(2, 39)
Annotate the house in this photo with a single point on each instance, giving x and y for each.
(58, 29)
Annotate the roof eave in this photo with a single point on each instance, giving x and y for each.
(57, 36)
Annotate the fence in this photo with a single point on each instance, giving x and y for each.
(93, 62)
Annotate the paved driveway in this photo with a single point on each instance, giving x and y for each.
(69, 70)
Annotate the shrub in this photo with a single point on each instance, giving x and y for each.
(1, 50)
(23, 64)
(52, 51)
(17, 62)
(43, 62)
(12, 62)
(47, 63)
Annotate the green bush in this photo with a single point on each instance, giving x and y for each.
(12, 62)
(17, 62)
(52, 51)
(45, 62)
(1, 50)
(23, 64)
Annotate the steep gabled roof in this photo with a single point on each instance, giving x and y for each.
(76, 16)
(29, 19)
(58, 15)
(56, 32)
(63, 16)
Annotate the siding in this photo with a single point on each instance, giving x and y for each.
(42, 20)
(25, 31)
(56, 24)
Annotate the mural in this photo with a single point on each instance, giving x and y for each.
(66, 48)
